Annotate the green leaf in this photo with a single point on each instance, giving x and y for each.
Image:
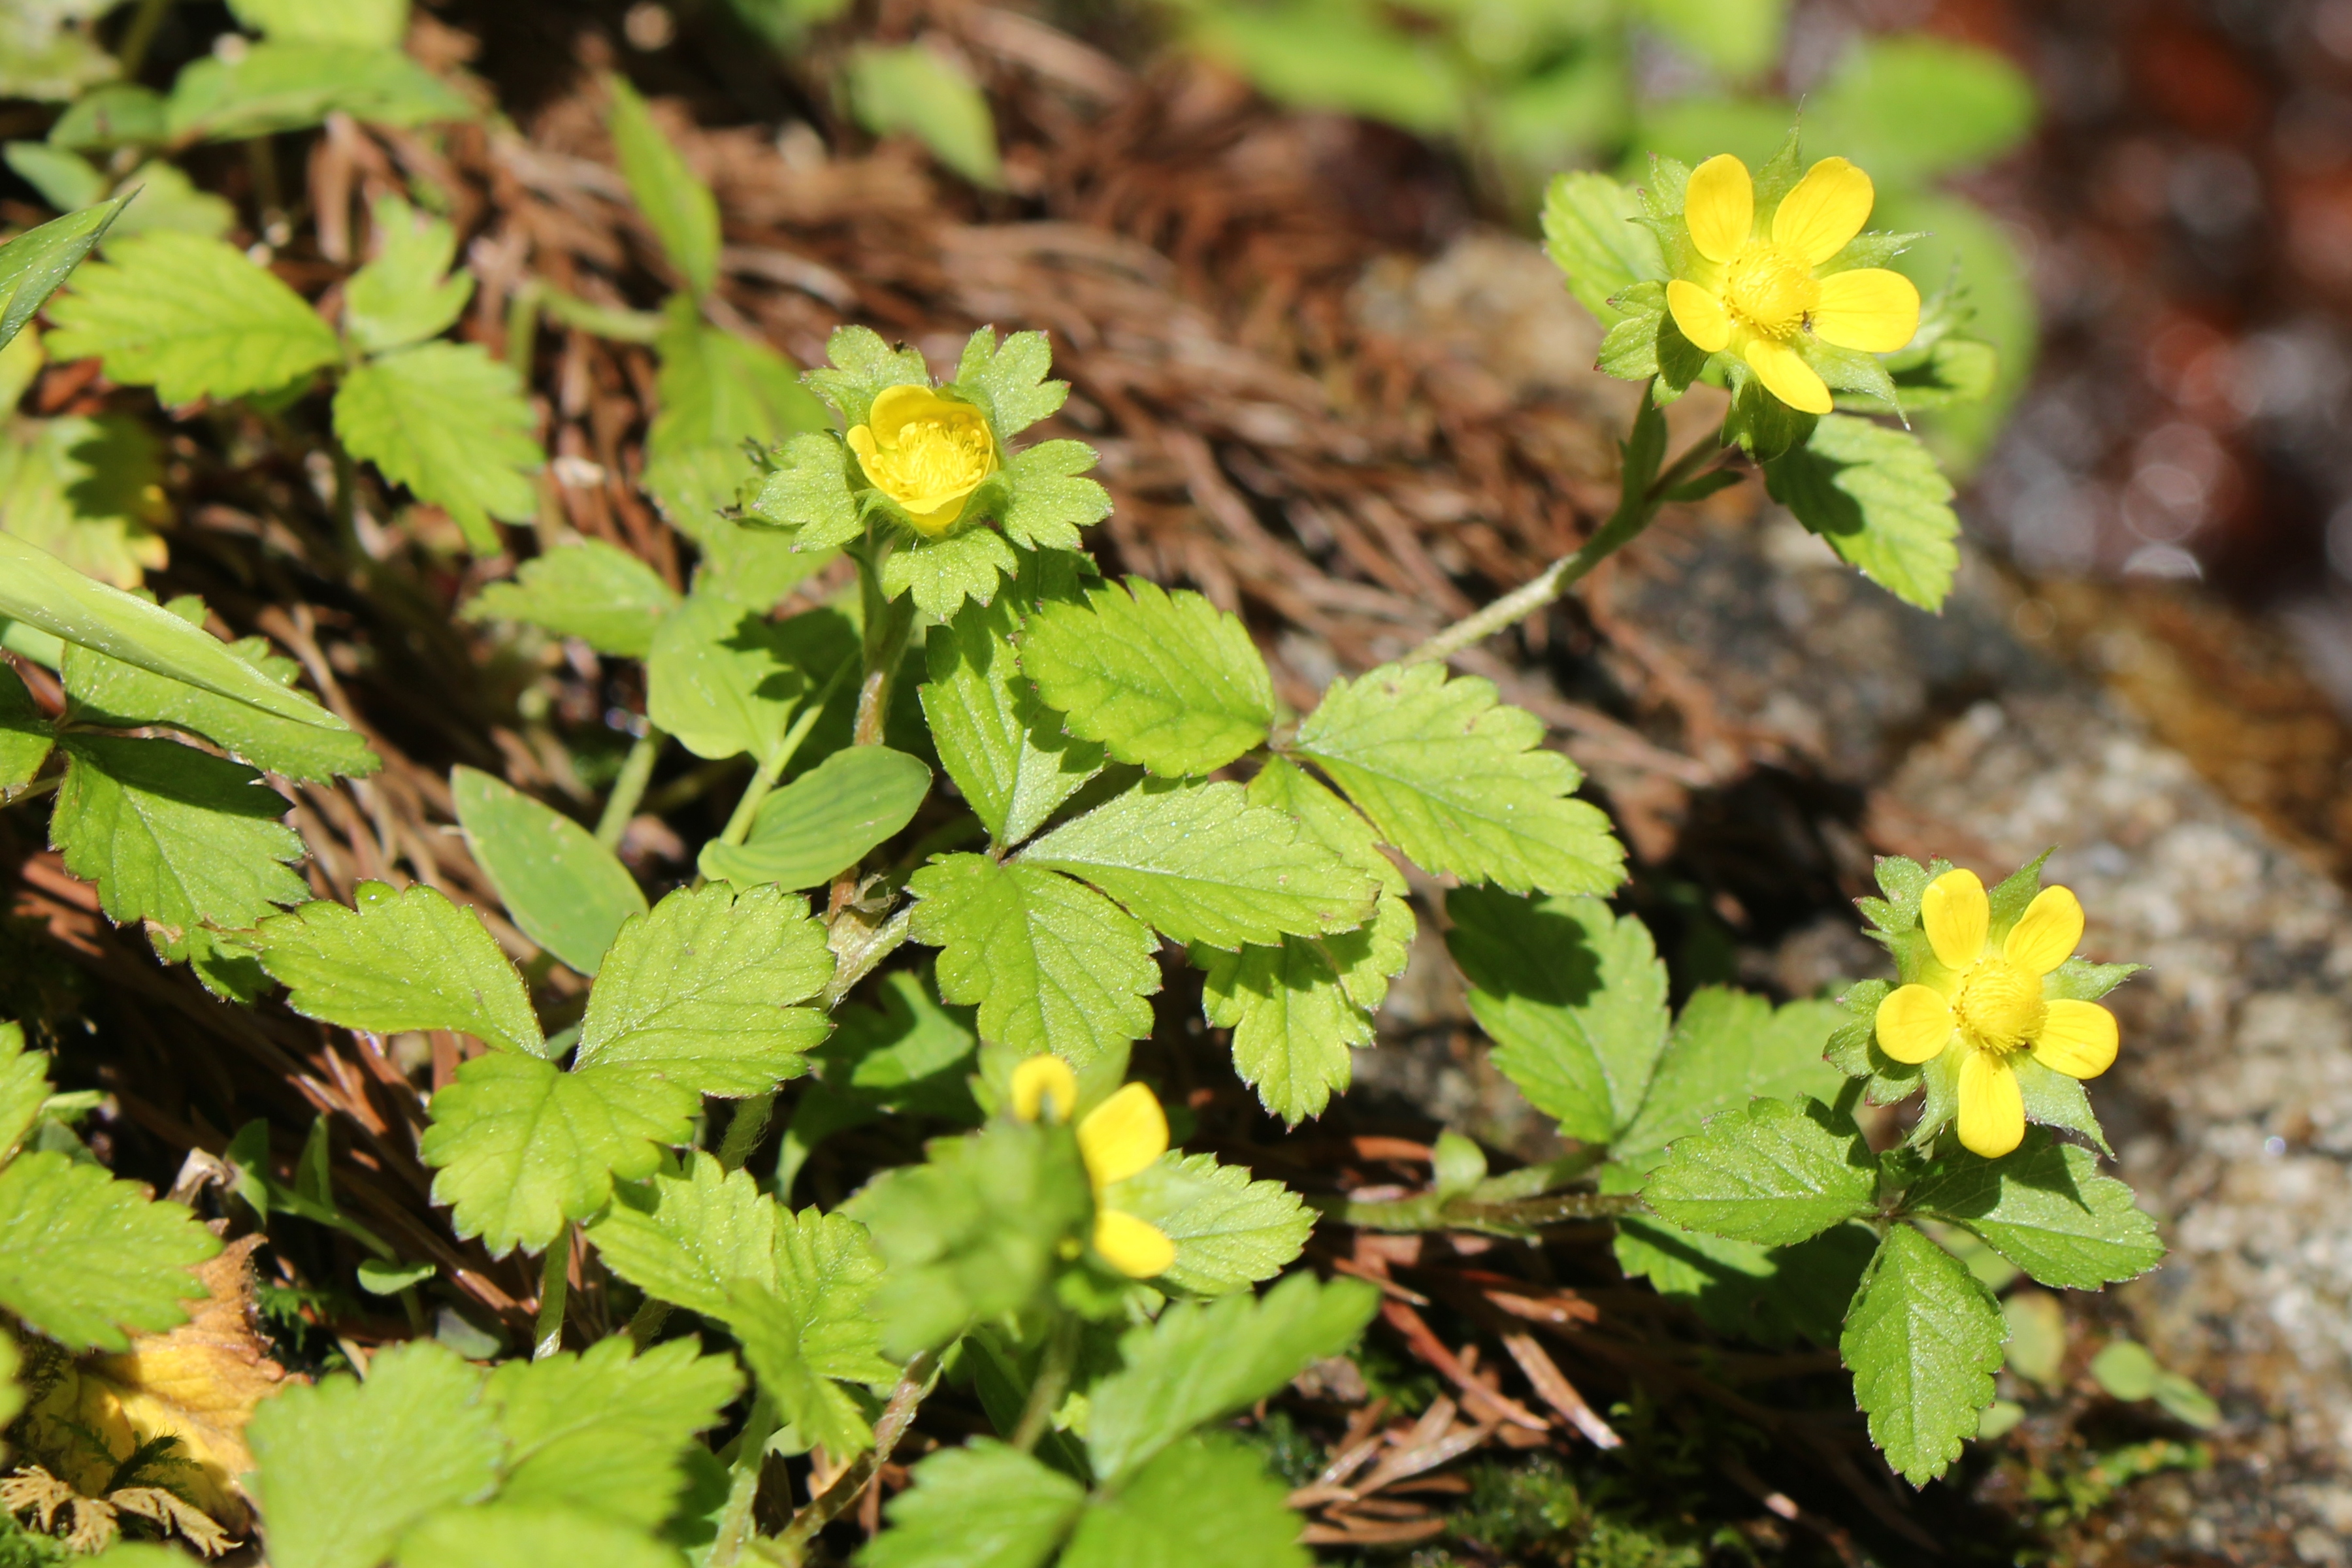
(1589, 232)
(1159, 1520)
(1200, 1362)
(1738, 37)
(2046, 1208)
(1923, 107)
(808, 491)
(1167, 681)
(345, 1466)
(1923, 1339)
(1458, 782)
(683, 213)
(2079, 979)
(2124, 1370)
(399, 962)
(726, 681)
(983, 1505)
(24, 1089)
(84, 1256)
(860, 367)
(1005, 750)
(914, 88)
(119, 114)
(1052, 965)
(173, 838)
(1765, 1295)
(1574, 998)
(25, 737)
(376, 24)
(507, 1535)
(1730, 1047)
(1339, 57)
(405, 295)
(107, 691)
(66, 181)
(825, 821)
(1780, 1173)
(1229, 1230)
(451, 424)
(168, 200)
(1008, 380)
(702, 990)
(943, 574)
(715, 392)
(87, 489)
(34, 263)
(594, 590)
(2186, 1402)
(191, 317)
(1201, 865)
(686, 1235)
(809, 1326)
(564, 890)
(1876, 495)
(1051, 499)
(45, 56)
(605, 1432)
(292, 85)
(521, 1146)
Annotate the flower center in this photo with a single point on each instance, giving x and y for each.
(1999, 1006)
(932, 457)
(1769, 289)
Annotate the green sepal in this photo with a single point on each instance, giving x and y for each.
(1761, 426)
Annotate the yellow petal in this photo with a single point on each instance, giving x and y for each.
(1993, 1107)
(2078, 1038)
(1956, 912)
(1870, 308)
(1720, 203)
(895, 407)
(1915, 1024)
(1699, 315)
(1122, 1135)
(1788, 378)
(1040, 1081)
(2046, 935)
(1137, 1248)
(1825, 211)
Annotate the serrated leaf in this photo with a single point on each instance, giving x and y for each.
(1167, 681)
(1201, 865)
(24, 1089)
(809, 1326)
(983, 1505)
(1779, 1172)
(293, 84)
(944, 573)
(564, 890)
(594, 590)
(510, 1535)
(825, 821)
(726, 681)
(859, 366)
(37, 260)
(88, 490)
(25, 737)
(1574, 998)
(1293, 1020)
(174, 838)
(1157, 1520)
(191, 317)
(167, 199)
(1229, 1230)
(716, 392)
(702, 991)
(606, 1431)
(1923, 1339)
(684, 1235)
(521, 1146)
(2046, 1208)
(1008, 380)
(406, 294)
(345, 1466)
(1768, 1295)
(809, 491)
(1199, 1362)
(1051, 964)
(1005, 750)
(1589, 233)
(1458, 782)
(450, 423)
(84, 1256)
(399, 962)
(682, 212)
(1051, 498)
(1727, 1048)
(1879, 498)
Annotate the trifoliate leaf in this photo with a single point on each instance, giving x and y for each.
(1879, 498)
(84, 1256)
(191, 317)
(1167, 681)
(679, 206)
(859, 366)
(825, 821)
(405, 295)
(716, 392)
(509, 1536)
(1728, 1048)
(399, 962)
(812, 1323)
(287, 86)
(2046, 1208)
(1370, 956)
(1459, 783)
(944, 573)
(1008, 379)
(1051, 498)
(1229, 1231)
(605, 1432)
(1157, 1520)
(107, 691)
(88, 490)
(809, 491)
(726, 681)
(702, 991)
(172, 838)
(379, 24)
(1199, 1362)
(1202, 865)
(1589, 232)
(1006, 751)
(565, 891)
(522, 1146)
(1052, 965)
(1574, 998)
(983, 1505)
(450, 423)
(594, 590)
(1923, 1339)
(25, 737)
(346, 1465)
(1777, 1173)
(686, 1235)
(37, 262)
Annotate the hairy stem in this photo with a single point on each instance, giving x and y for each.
(554, 1290)
(745, 1129)
(739, 826)
(743, 1485)
(921, 1375)
(629, 789)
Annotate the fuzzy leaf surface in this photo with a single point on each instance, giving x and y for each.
(606, 1431)
(944, 575)
(686, 1235)
(566, 891)
(1730, 1047)
(811, 1326)
(1006, 748)
(860, 367)
(727, 680)
(508, 1535)
(1777, 1173)
(984, 1505)
(809, 491)
(2046, 1208)
(190, 317)
(1879, 498)
(1007, 380)
(84, 1256)
(1589, 232)
(25, 737)
(825, 821)
(450, 423)
(1164, 680)
(405, 295)
(1051, 499)
(1923, 1339)
(399, 962)
(1229, 1231)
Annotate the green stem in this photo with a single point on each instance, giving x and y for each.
(1053, 1381)
(743, 1485)
(745, 1129)
(636, 772)
(920, 1376)
(739, 826)
(555, 1289)
(855, 960)
(888, 623)
(140, 36)
(522, 326)
(646, 1321)
(347, 501)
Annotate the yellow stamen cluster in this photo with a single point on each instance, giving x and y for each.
(1122, 1137)
(926, 453)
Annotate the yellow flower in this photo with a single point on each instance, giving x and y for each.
(1992, 1005)
(1754, 293)
(925, 453)
(1122, 1137)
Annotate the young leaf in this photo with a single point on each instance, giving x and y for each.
(2046, 1208)
(1730, 1047)
(688, 1236)
(1229, 1231)
(1923, 1339)
(1158, 1520)
(701, 991)
(566, 891)
(983, 1505)
(1574, 997)
(1008, 380)
(450, 423)
(405, 295)
(808, 491)
(191, 317)
(726, 681)
(25, 737)
(825, 821)
(397, 961)
(945, 574)
(84, 1256)
(679, 206)
(1202, 865)
(1588, 231)
(508, 1536)
(1006, 751)
(594, 590)
(605, 1432)
(34, 263)
(809, 1326)
(859, 366)
(1459, 783)
(1051, 496)
(916, 89)
(1879, 498)
(287, 86)
(1167, 681)
(345, 1467)
(1778, 1173)
(24, 1089)
(1052, 965)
